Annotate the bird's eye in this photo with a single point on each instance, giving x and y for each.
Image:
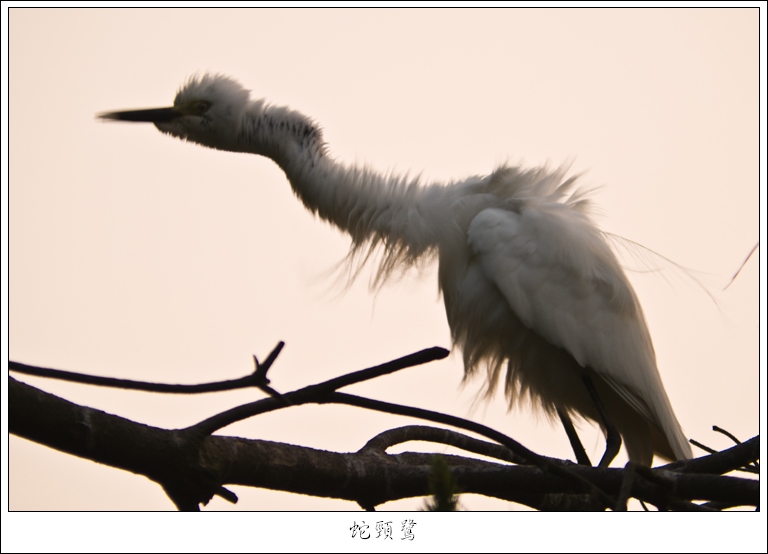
(202, 106)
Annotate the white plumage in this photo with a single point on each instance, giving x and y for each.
(529, 282)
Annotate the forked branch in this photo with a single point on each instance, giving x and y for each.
(192, 465)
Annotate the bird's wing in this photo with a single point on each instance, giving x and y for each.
(561, 279)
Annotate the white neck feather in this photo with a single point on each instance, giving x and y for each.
(393, 212)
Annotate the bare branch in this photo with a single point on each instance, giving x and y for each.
(408, 433)
(192, 466)
(256, 379)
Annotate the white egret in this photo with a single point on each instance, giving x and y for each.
(529, 282)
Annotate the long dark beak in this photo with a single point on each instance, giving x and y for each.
(156, 115)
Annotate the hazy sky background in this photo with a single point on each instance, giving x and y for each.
(136, 255)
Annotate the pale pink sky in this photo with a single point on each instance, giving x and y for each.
(139, 256)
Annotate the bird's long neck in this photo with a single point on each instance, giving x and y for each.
(372, 208)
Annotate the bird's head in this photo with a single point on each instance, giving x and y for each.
(207, 110)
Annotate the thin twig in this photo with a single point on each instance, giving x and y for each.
(256, 379)
(749, 467)
(726, 433)
(717, 463)
(705, 448)
(392, 437)
(313, 393)
(531, 457)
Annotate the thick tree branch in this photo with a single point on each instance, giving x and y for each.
(192, 466)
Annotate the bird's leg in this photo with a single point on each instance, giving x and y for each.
(612, 437)
(578, 449)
